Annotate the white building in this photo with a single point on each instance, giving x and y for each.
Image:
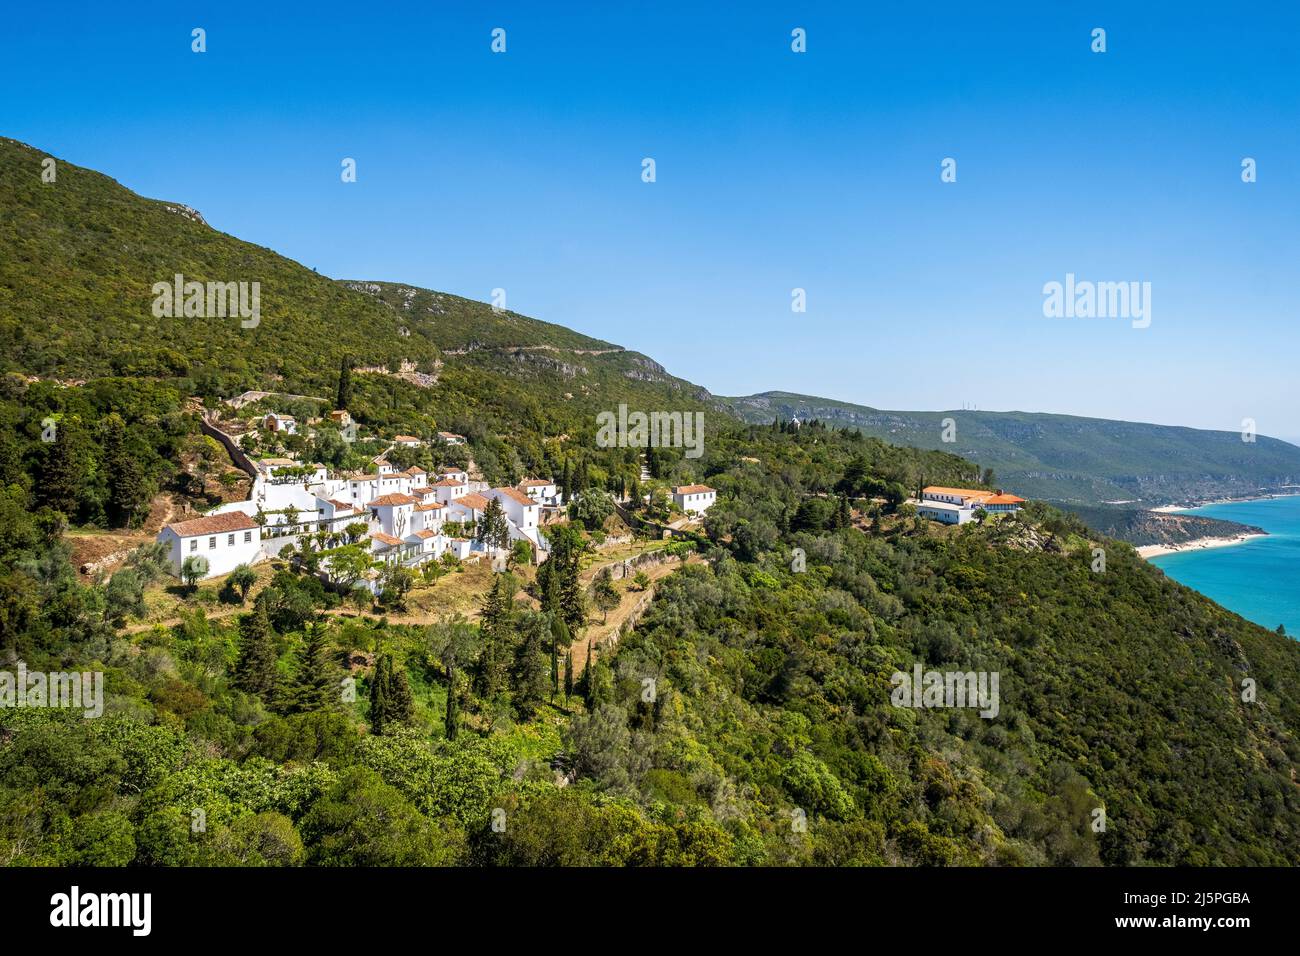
(282, 424)
(393, 513)
(408, 441)
(542, 491)
(959, 505)
(522, 514)
(694, 499)
(449, 488)
(451, 438)
(224, 541)
(467, 508)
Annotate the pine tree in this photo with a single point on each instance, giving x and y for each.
(67, 468)
(528, 672)
(314, 686)
(255, 670)
(568, 676)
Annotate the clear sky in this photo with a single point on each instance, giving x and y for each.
(775, 170)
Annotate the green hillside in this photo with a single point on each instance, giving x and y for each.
(738, 712)
(1064, 457)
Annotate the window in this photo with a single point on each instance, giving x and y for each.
(230, 541)
(212, 542)
(248, 537)
(194, 544)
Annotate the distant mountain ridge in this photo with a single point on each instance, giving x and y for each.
(1067, 458)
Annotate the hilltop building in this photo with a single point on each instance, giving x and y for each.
(959, 505)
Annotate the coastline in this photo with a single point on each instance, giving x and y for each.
(1174, 509)
(1196, 544)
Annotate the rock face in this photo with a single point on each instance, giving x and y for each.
(187, 212)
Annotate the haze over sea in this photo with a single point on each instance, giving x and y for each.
(1259, 579)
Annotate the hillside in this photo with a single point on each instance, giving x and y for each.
(1064, 457)
(76, 303)
(742, 713)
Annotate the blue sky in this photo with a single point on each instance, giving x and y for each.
(775, 170)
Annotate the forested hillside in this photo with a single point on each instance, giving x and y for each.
(729, 703)
(769, 735)
(1066, 458)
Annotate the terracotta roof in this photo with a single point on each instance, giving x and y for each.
(278, 461)
(986, 497)
(387, 539)
(425, 533)
(475, 501)
(339, 505)
(515, 495)
(449, 435)
(448, 483)
(534, 483)
(416, 470)
(405, 438)
(430, 506)
(691, 489)
(422, 490)
(395, 499)
(365, 478)
(214, 524)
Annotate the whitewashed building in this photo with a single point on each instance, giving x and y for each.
(224, 541)
(694, 499)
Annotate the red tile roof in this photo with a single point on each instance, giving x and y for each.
(691, 489)
(214, 524)
(387, 539)
(430, 506)
(475, 501)
(515, 495)
(394, 499)
(449, 483)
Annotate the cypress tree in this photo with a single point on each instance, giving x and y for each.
(400, 704)
(560, 640)
(344, 393)
(379, 696)
(568, 676)
(494, 625)
(451, 720)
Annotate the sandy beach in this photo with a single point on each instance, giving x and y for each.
(1154, 550)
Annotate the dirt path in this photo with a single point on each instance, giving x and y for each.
(600, 634)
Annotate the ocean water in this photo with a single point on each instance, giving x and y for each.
(1259, 579)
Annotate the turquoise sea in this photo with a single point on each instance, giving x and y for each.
(1259, 579)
